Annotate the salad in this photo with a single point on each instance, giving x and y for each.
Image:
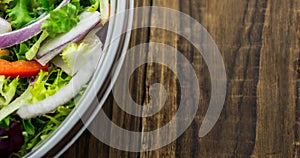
(44, 50)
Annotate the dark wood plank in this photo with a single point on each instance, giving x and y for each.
(276, 87)
(259, 41)
(89, 146)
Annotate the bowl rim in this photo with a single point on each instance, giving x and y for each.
(109, 66)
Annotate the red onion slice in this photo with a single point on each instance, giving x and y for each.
(18, 36)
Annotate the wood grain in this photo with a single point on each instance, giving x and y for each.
(259, 41)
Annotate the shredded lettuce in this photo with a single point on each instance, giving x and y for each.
(44, 126)
(70, 54)
(4, 4)
(38, 129)
(62, 20)
(19, 51)
(47, 5)
(20, 14)
(7, 90)
(46, 85)
(31, 53)
(75, 56)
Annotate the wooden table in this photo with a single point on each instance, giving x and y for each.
(259, 41)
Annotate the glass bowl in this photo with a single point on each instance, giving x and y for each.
(114, 49)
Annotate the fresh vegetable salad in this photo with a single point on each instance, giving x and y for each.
(44, 48)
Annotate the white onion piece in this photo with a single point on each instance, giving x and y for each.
(4, 26)
(82, 59)
(18, 36)
(54, 46)
(67, 92)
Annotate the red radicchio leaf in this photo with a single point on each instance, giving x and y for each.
(13, 142)
(3, 132)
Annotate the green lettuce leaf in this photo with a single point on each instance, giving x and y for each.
(19, 51)
(20, 14)
(45, 125)
(15, 105)
(47, 5)
(31, 53)
(75, 56)
(7, 90)
(46, 85)
(4, 4)
(28, 126)
(62, 20)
